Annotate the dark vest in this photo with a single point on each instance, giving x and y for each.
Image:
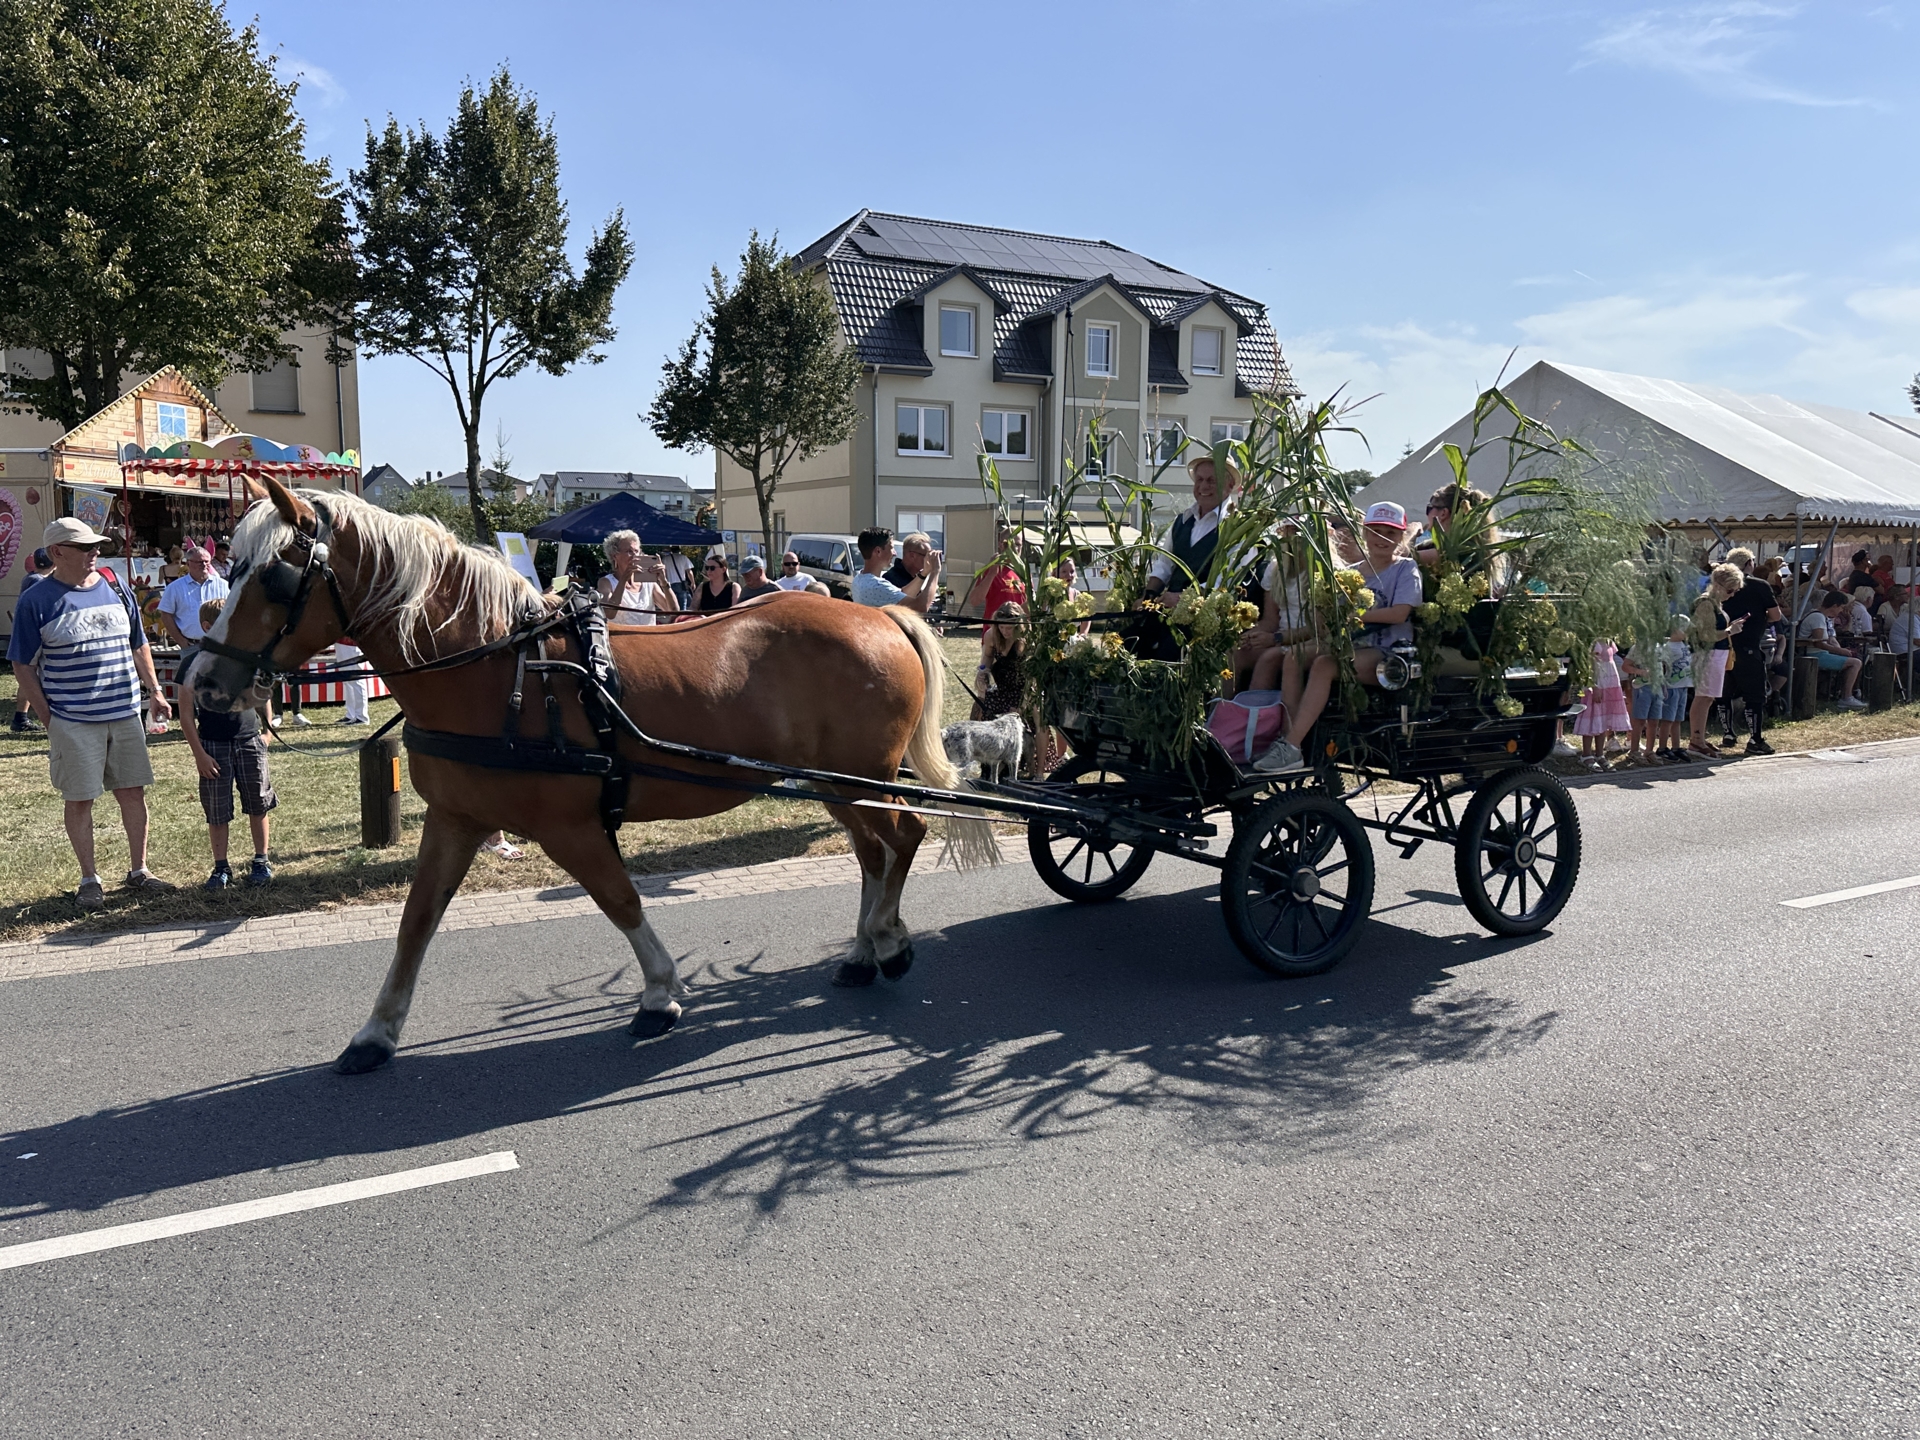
(1196, 557)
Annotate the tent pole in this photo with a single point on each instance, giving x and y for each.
(1909, 608)
(1793, 619)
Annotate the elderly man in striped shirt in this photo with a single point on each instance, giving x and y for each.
(81, 661)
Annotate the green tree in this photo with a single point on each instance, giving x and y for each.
(462, 244)
(156, 202)
(774, 384)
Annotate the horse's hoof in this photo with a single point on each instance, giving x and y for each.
(362, 1056)
(899, 965)
(852, 974)
(649, 1023)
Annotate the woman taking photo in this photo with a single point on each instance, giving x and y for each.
(629, 594)
(1712, 637)
(718, 592)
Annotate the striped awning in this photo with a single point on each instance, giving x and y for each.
(259, 469)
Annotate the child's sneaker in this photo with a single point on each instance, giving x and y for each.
(260, 872)
(221, 877)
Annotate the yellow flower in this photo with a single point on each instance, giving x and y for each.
(1480, 588)
(1244, 614)
(1507, 706)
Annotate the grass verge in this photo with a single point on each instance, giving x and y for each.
(317, 857)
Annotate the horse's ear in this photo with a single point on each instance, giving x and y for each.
(255, 490)
(295, 511)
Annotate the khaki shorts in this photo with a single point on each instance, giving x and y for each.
(88, 758)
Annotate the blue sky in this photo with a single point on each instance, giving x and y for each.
(1720, 192)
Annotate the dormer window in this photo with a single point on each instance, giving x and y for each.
(1209, 351)
(1101, 350)
(956, 330)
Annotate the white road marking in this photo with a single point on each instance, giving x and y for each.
(114, 1236)
(1834, 896)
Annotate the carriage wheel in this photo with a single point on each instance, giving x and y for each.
(1075, 867)
(1518, 854)
(1298, 884)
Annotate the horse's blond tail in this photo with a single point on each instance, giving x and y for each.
(969, 842)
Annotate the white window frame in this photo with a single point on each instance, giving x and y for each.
(920, 428)
(1227, 430)
(1220, 355)
(972, 312)
(1155, 428)
(160, 413)
(1112, 332)
(1112, 442)
(1026, 426)
(908, 521)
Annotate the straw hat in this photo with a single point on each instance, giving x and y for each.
(1205, 457)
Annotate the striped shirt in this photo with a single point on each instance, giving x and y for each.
(83, 641)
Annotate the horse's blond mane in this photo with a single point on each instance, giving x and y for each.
(403, 559)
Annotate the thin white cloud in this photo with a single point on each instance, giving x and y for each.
(1888, 305)
(1713, 46)
(313, 79)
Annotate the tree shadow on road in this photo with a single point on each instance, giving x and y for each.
(1012, 1031)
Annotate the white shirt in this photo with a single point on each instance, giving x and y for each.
(1203, 526)
(1900, 630)
(636, 601)
(794, 582)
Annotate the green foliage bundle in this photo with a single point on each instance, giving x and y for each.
(1564, 557)
(156, 203)
(1289, 491)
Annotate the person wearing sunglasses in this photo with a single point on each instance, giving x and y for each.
(81, 660)
(790, 577)
(718, 591)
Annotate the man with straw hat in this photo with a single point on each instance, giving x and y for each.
(1197, 529)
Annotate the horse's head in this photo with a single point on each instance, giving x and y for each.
(283, 601)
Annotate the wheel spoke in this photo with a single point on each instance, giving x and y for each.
(1501, 903)
(1313, 914)
(1086, 877)
(1323, 871)
(1067, 859)
(1274, 924)
(1524, 907)
(1541, 837)
(1112, 869)
(1538, 881)
(1533, 815)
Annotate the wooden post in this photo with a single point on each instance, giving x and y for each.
(1806, 687)
(380, 792)
(1880, 677)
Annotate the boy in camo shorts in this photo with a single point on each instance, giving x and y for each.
(229, 750)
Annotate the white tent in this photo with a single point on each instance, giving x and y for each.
(1732, 460)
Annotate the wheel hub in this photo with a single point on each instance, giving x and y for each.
(1525, 852)
(1304, 885)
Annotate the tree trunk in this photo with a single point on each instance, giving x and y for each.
(476, 505)
(764, 495)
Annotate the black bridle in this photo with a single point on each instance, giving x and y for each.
(289, 585)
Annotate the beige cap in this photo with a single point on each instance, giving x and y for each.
(69, 531)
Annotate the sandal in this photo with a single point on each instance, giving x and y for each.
(506, 850)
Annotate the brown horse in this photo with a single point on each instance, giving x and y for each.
(794, 679)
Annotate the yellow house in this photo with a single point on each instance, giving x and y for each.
(999, 341)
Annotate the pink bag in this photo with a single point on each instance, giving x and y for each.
(1248, 723)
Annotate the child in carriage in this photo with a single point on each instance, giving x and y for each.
(1308, 676)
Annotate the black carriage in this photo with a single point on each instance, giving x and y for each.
(1298, 874)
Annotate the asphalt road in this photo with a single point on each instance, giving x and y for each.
(1083, 1173)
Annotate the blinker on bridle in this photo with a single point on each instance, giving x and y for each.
(289, 585)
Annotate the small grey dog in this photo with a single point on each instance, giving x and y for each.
(996, 743)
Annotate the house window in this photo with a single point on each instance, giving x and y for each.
(1101, 346)
(1165, 437)
(1004, 433)
(1209, 349)
(932, 522)
(277, 391)
(1104, 452)
(956, 330)
(1229, 430)
(170, 422)
(922, 429)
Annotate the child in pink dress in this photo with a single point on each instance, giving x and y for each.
(1606, 705)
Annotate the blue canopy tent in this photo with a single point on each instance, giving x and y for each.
(591, 524)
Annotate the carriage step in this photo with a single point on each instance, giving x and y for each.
(1406, 851)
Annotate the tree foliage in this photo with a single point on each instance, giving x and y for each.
(765, 378)
(156, 203)
(462, 243)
